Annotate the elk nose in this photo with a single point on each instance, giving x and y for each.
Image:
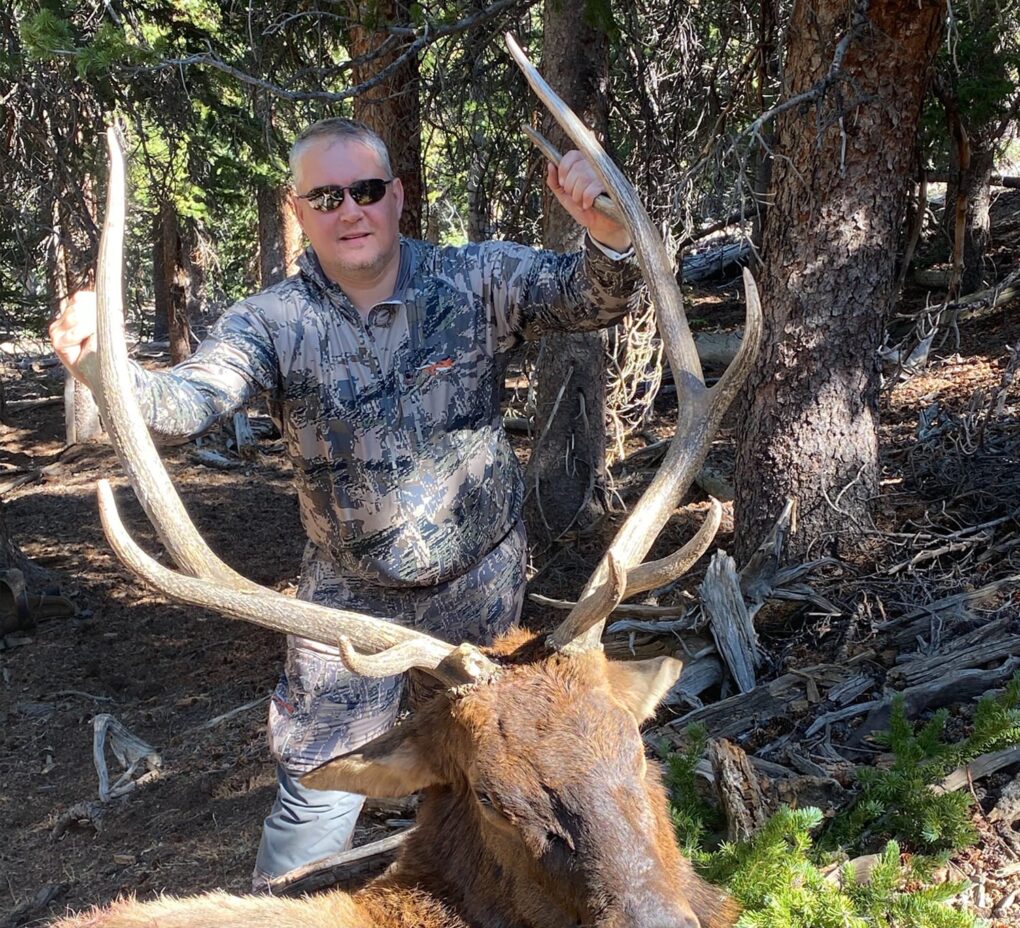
(652, 911)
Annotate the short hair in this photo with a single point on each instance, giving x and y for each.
(349, 130)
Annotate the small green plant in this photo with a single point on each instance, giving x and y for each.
(777, 878)
(691, 812)
(784, 879)
(898, 802)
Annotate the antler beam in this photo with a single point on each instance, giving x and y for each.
(700, 410)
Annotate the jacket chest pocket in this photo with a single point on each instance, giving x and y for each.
(448, 367)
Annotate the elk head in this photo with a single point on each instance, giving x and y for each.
(538, 795)
(540, 752)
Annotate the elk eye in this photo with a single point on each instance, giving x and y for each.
(484, 799)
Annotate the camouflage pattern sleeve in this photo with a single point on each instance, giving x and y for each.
(534, 292)
(235, 362)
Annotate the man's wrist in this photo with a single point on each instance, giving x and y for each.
(610, 251)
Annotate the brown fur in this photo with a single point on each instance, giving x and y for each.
(540, 811)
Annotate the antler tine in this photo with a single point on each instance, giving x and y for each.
(654, 574)
(212, 583)
(699, 410)
(268, 608)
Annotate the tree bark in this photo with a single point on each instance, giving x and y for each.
(567, 469)
(976, 187)
(392, 108)
(768, 68)
(808, 415)
(279, 234)
(71, 268)
(170, 285)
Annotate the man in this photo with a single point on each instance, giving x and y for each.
(383, 362)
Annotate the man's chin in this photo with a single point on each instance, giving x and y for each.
(356, 265)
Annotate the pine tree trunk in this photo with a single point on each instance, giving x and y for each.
(977, 188)
(768, 71)
(808, 415)
(160, 283)
(170, 285)
(392, 108)
(71, 269)
(567, 470)
(279, 234)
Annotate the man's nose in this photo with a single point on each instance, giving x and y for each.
(349, 210)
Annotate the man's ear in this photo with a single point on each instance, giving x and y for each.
(391, 765)
(640, 685)
(398, 192)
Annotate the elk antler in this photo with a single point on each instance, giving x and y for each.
(700, 410)
(212, 584)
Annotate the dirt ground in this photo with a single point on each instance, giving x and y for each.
(168, 673)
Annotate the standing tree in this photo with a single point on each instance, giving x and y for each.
(390, 107)
(566, 472)
(855, 79)
(976, 83)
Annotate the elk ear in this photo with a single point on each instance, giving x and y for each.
(391, 765)
(639, 685)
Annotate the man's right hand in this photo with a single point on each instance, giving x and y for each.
(72, 332)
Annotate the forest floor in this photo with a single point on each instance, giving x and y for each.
(195, 686)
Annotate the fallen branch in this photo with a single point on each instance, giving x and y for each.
(343, 869)
(624, 610)
(949, 603)
(29, 911)
(785, 697)
(130, 751)
(979, 767)
(85, 814)
(244, 438)
(212, 723)
(35, 403)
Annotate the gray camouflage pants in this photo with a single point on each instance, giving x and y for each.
(320, 709)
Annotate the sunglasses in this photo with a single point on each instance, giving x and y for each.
(363, 192)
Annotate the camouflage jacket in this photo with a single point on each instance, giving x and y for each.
(392, 419)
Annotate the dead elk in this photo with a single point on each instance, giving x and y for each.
(540, 809)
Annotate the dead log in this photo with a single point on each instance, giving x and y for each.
(32, 910)
(739, 790)
(34, 403)
(785, 697)
(85, 814)
(209, 458)
(968, 651)
(730, 620)
(130, 751)
(699, 674)
(715, 261)
(918, 621)
(952, 689)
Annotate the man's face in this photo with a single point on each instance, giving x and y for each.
(354, 243)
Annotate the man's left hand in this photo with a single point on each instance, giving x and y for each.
(576, 185)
